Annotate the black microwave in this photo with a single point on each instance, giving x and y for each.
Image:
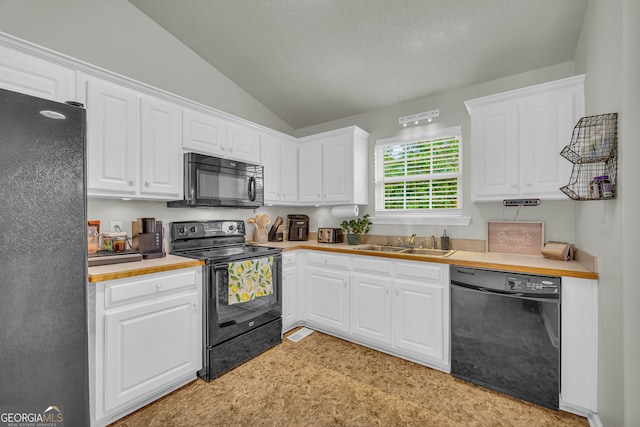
(216, 182)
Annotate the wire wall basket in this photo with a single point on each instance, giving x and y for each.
(594, 153)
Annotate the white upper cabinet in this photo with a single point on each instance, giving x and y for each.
(113, 147)
(333, 167)
(279, 157)
(204, 133)
(516, 138)
(133, 143)
(214, 135)
(243, 143)
(310, 175)
(23, 73)
(160, 156)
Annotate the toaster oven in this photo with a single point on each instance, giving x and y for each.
(330, 235)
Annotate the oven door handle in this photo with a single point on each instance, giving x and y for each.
(518, 295)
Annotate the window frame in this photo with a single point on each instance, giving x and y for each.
(434, 216)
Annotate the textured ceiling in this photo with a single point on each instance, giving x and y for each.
(312, 61)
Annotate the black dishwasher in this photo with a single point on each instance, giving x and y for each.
(505, 332)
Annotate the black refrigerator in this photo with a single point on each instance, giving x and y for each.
(43, 261)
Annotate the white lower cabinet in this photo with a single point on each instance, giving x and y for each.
(289, 291)
(328, 298)
(400, 307)
(371, 307)
(579, 345)
(418, 322)
(145, 339)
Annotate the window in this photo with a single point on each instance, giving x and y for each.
(419, 175)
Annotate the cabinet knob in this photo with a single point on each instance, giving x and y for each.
(221, 148)
(131, 182)
(386, 289)
(527, 182)
(231, 150)
(158, 285)
(195, 304)
(397, 291)
(325, 261)
(147, 183)
(513, 184)
(344, 283)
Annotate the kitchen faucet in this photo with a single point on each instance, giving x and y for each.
(411, 240)
(433, 241)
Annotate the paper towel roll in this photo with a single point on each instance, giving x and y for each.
(345, 211)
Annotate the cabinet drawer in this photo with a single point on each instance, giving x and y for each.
(288, 259)
(421, 270)
(371, 264)
(123, 290)
(327, 260)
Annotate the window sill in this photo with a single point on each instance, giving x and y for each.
(421, 220)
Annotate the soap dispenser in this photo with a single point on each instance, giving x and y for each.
(444, 241)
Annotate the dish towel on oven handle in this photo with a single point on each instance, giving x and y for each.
(250, 279)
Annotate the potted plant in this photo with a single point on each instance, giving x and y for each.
(355, 227)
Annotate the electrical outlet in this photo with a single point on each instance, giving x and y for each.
(320, 222)
(114, 225)
(521, 202)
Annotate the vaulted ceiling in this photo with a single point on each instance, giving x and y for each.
(312, 61)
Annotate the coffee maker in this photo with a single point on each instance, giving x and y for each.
(148, 236)
(298, 227)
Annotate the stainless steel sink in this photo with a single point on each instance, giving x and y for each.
(381, 248)
(403, 250)
(429, 252)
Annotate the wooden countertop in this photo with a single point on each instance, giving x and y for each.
(101, 273)
(490, 260)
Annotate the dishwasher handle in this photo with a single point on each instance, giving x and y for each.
(518, 295)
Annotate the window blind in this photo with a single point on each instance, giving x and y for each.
(420, 175)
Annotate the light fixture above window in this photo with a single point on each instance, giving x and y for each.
(416, 118)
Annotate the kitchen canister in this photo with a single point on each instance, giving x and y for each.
(114, 241)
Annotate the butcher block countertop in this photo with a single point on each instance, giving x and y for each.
(489, 260)
(102, 273)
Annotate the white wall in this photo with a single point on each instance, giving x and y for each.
(630, 177)
(116, 36)
(383, 123)
(608, 54)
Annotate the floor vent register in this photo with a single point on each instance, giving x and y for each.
(298, 335)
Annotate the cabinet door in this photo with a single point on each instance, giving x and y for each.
(418, 318)
(371, 307)
(150, 345)
(328, 298)
(546, 126)
(33, 76)
(337, 164)
(288, 172)
(243, 143)
(204, 133)
(310, 167)
(289, 293)
(270, 159)
(494, 150)
(113, 140)
(161, 149)
(280, 160)
(579, 343)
